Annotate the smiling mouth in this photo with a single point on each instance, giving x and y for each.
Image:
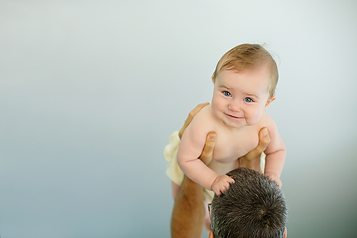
(234, 117)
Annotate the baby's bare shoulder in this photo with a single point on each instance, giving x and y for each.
(203, 122)
(204, 116)
(266, 121)
(269, 123)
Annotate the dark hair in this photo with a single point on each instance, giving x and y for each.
(253, 206)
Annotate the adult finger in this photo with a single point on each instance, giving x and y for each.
(190, 116)
(264, 140)
(207, 151)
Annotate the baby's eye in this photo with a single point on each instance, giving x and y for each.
(248, 99)
(226, 93)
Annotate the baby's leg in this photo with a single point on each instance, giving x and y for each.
(175, 189)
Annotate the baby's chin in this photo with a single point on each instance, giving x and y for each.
(235, 126)
(246, 124)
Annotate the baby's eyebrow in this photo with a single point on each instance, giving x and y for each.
(252, 95)
(225, 87)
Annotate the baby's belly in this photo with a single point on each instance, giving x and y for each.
(223, 168)
(222, 155)
(230, 147)
(225, 161)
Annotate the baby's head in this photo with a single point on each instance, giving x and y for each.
(244, 85)
(249, 57)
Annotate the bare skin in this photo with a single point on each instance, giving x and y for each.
(188, 214)
(252, 159)
(237, 114)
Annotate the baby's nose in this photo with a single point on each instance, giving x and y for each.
(234, 106)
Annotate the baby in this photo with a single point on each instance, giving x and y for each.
(244, 85)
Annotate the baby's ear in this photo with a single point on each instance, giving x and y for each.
(270, 100)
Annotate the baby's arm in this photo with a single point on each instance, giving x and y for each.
(221, 184)
(276, 153)
(191, 146)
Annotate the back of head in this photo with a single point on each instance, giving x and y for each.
(252, 207)
(249, 57)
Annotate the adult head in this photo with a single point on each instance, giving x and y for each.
(253, 206)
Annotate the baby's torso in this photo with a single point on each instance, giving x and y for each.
(232, 144)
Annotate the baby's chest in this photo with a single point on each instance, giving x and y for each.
(231, 146)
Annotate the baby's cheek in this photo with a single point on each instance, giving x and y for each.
(254, 118)
(217, 106)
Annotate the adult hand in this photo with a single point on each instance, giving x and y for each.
(188, 214)
(252, 159)
(206, 155)
(191, 115)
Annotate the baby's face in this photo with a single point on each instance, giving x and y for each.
(240, 99)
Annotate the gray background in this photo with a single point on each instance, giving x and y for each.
(91, 90)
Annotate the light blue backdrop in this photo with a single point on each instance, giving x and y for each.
(91, 90)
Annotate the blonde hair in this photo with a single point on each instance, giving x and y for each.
(248, 57)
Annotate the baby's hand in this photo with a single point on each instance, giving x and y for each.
(221, 184)
(274, 178)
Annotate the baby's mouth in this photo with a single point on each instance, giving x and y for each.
(234, 116)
